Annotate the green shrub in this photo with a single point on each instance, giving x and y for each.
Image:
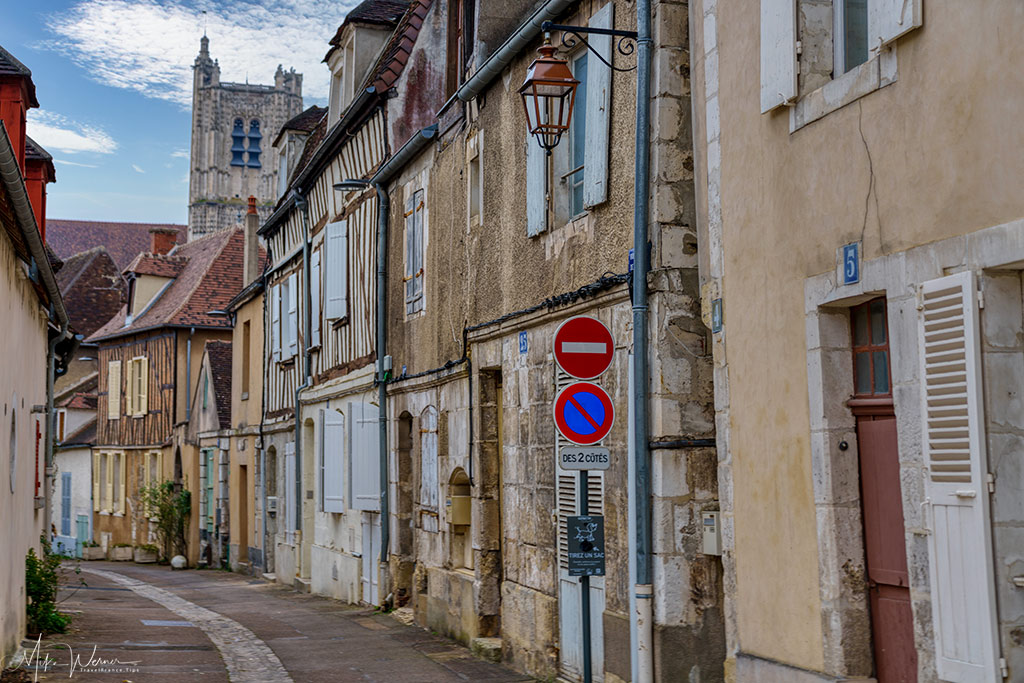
(148, 547)
(122, 545)
(170, 505)
(41, 582)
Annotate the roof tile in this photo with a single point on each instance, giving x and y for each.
(124, 241)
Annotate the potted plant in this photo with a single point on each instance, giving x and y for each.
(146, 553)
(91, 550)
(122, 552)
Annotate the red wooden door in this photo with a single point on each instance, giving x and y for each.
(885, 549)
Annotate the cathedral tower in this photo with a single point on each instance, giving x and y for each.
(231, 157)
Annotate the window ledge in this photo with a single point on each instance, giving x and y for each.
(245, 395)
(872, 75)
(340, 322)
(286, 363)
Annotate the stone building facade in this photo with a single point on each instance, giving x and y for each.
(233, 126)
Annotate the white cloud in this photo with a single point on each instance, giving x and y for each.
(149, 46)
(59, 133)
(137, 169)
(65, 162)
(179, 154)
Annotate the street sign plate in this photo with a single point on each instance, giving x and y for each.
(583, 347)
(583, 458)
(586, 545)
(584, 413)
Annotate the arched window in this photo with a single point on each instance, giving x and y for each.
(238, 144)
(254, 144)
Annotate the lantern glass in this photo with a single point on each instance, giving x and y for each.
(549, 94)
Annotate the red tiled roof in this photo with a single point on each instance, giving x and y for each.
(219, 355)
(92, 288)
(162, 265)
(124, 241)
(83, 436)
(210, 278)
(80, 401)
(395, 56)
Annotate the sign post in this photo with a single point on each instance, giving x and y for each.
(584, 415)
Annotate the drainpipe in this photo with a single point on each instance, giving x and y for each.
(51, 422)
(188, 375)
(643, 588)
(303, 206)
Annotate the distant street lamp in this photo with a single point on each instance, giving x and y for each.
(549, 94)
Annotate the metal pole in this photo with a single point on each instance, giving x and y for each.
(642, 492)
(383, 205)
(585, 588)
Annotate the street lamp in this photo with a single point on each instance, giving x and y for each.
(549, 94)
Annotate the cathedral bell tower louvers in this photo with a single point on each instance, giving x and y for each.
(231, 156)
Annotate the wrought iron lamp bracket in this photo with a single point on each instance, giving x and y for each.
(625, 46)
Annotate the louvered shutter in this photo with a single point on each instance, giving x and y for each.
(122, 465)
(275, 322)
(419, 246)
(337, 270)
(143, 386)
(536, 187)
(363, 454)
(131, 389)
(113, 390)
(333, 457)
(599, 98)
(96, 481)
(890, 19)
(293, 314)
(314, 294)
(960, 544)
(430, 489)
(778, 53)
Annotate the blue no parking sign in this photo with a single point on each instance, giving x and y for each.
(584, 413)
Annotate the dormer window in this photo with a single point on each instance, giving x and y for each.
(131, 296)
(343, 76)
(238, 144)
(254, 144)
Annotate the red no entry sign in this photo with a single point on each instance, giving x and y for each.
(583, 347)
(584, 413)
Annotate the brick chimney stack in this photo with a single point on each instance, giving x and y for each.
(162, 240)
(251, 255)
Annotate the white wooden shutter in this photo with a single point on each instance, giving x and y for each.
(122, 486)
(599, 98)
(288, 500)
(419, 246)
(131, 389)
(430, 489)
(96, 481)
(314, 287)
(536, 187)
(293, 314)
(275, 322)
(778, 53)
(337, 270)
(364, 455)
(960, 544)
(890, 19)
(143, 385)
(113, 390)
(333, 454)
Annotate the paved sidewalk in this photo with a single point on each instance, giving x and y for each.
(148, 623)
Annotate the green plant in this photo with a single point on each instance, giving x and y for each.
(170, 505)
(41, 583)
(148, 547)
(90, 544)
(122, 545)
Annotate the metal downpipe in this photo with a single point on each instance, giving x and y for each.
(303, 206)
(51, 423)
(383, 205)
(642, 493)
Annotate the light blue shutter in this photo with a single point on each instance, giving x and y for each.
(275, 322)
(430, 490)
(536, 187)
(65, 503)
(337, 270)
(293, 314)
(332, 452)
(778, 53)
(363, 453)
(598, 104)
(314, 287)
(420, 245)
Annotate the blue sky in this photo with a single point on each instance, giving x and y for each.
(113, 79)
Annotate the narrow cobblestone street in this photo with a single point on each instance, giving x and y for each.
(215, 626)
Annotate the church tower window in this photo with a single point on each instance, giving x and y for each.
(254, 144)
(238, 144)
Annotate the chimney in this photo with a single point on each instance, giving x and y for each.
(162, 240)
(251, 255)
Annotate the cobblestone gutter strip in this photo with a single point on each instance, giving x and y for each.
(248, 659)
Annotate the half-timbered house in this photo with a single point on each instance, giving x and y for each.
(321, 423)
(149, 358)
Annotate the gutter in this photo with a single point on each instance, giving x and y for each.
(511, 48)
(391, 167)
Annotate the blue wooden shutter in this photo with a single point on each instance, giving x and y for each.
(314, 287)
(65, 503)
(336, 270)
(275, 322)
(332, 452)
(293, 314)
(598, 104)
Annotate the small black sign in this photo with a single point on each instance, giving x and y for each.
(586, 545)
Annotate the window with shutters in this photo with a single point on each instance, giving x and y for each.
(415, 242)
(138, 386)
(113, 390)
(335, 271)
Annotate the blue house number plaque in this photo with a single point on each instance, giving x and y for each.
(851, 263)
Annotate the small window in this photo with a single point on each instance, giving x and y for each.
(61, 421)
(254, 144)
(870, 333)
(476, 182)
(238, 144)
(850, 18)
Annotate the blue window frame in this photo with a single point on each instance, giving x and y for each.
(238, 144)
(254, 144)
